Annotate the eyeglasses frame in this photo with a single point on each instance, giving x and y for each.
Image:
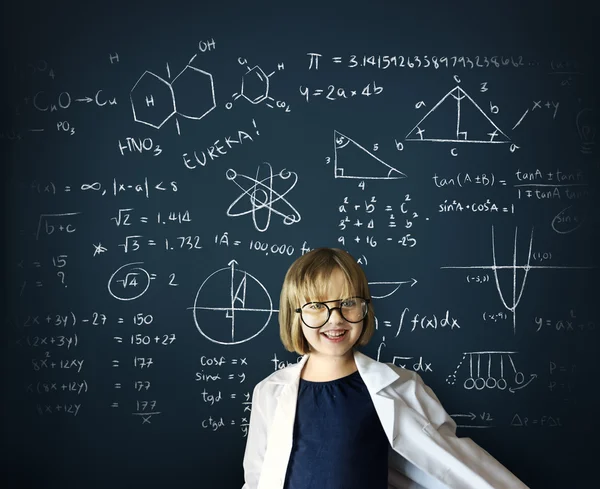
(331, 309)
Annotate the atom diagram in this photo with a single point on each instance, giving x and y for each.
(262, 197)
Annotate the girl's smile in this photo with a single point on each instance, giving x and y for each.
(335, 335)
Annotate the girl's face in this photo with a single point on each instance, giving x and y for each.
(330, 345)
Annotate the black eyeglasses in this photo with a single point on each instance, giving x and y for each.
(316, 314)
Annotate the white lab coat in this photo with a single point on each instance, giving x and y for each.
(424, 449)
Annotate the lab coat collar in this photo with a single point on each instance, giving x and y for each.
(376, 375)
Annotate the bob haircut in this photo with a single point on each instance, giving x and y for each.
(307, 280)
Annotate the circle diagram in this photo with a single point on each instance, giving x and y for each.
(129, 282)
(232, 306)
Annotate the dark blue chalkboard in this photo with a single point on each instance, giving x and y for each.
(164, 164)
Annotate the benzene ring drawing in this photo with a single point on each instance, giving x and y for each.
(445, 122)
(244, 300)
(262, 198)
(354, 158)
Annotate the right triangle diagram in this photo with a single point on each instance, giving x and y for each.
(457, 118)
(351, 160)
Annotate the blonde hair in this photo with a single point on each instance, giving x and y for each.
(307, 280)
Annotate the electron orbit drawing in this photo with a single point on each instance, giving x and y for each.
(232, 306)
(516, 294)
(492, 377)
(457, 118)
(191, 94)
(262, 201)
(351, 160)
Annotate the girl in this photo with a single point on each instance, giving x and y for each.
(340, 420)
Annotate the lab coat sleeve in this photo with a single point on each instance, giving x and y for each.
(474, 462)
(256, 442)
(431, 407)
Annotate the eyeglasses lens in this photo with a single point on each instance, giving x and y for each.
(316, 314)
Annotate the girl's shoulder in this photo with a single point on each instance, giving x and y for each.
(267, 391)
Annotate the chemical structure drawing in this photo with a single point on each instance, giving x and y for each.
(244, 300)
(445, 122)
(191, 94)
(492, 377)
(516, 294)
(262, 199)
(255, 87)
(349, 159)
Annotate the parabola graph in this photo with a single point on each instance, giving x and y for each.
(516, 290)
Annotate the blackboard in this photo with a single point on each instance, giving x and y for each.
(164, 164)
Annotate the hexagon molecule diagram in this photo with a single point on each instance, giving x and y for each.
(152, 100)
(191, 94)
(255, 85)
(194, 93)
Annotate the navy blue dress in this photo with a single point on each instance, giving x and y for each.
(339, 442)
